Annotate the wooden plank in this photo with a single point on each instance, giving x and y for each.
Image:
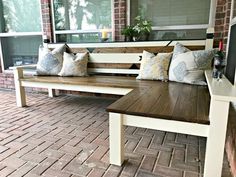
(167, 101)
(203, 103)
(106, 81)
(145, 101)
(111, 65)
(186, 105)
(124, 103)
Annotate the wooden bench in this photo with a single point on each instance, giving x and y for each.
(156, 105)
(176, 108)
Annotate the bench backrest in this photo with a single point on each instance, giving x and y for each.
(124, 58)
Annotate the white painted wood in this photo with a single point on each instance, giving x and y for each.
(113, 71)
(80, 31)
(181, 27)
(212, 14)
(233, 21)
(133, 44)
(15, 34)
(1, 56)
(216, 138)
(82, 88)
(166, 125)
(209, 42)
(19, 89)
(52, 92)
(115, 57)
(116, 139)
(221, 90)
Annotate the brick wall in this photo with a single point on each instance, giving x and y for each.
(222, 21)
(47, 18)
(119, 18)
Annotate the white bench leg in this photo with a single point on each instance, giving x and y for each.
(216, 138)
(116, 139)
(52, 92)
(20, 91)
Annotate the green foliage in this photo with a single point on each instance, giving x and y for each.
(129, 31)
(142, 26)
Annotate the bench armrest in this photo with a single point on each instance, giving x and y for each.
(221, 89)
(25, 67)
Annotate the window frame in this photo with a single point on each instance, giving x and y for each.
(56, 32)
(20, 34)
(211, 22)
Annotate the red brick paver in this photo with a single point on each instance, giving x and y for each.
(68, 136)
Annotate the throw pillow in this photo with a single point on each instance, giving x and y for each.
(154, 67)
(74, 65)
(189, 67)
(50, 62)
(178, 49)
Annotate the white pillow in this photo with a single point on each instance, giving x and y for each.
(74, 65)
(189, 67)
(50, 62)
(154, 67)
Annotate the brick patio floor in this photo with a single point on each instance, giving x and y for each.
(67, 136)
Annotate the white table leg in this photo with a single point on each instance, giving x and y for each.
(20, 91)
(52, 92)
(116, 139)
(216, 138)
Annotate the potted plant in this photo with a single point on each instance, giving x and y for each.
(129, 33)
(143, 28)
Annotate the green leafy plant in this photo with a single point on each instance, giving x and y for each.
(140, 31)
(129, 32)
(142, 26)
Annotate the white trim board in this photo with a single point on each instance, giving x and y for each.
(132, 44)
(166, 125)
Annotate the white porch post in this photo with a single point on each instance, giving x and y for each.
(116, 139)
(216, 138)
(212, 14)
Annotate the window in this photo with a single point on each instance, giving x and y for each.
(82, 20)
(171, 19)
(20, 31)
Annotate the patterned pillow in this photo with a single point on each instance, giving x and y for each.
(74, 65)
(178, 49)
(154, 67)
(189, 67)
(50, 62)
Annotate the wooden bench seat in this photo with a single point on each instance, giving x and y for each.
(93, 80)
(171, 101)
(168, 100)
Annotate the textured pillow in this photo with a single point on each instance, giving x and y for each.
(50, 62)
(74, 65)
(189, 67)
(154, 67)
(178, 49)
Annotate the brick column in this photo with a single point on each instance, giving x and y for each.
(119, 18)
(222, 21)
(47, 18)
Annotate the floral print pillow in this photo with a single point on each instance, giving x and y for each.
(74, 65)
(50, 62)
(189, 67)
(154, 67)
